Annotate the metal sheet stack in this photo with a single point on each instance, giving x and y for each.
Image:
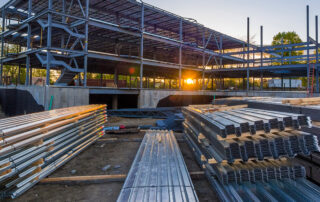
(33, 146)
(158, 172)
(247, 153)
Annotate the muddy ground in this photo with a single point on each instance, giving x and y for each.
(93, 159)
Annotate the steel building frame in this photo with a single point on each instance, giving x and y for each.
(81, 36)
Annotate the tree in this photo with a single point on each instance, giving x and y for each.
(287, 38)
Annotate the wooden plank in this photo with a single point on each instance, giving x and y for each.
(84, 179)
(302, 101)
(232, 107)
(96, 179)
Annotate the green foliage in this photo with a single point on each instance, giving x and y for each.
(287, 38)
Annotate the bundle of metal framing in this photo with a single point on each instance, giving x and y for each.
(158, 172)
(211, 129)
(33, 146)
(248, 166)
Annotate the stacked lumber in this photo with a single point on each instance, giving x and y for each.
(302, 101)
(248, 153)
(33, 146)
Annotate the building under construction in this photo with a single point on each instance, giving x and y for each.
(141, 47)
(260, 145)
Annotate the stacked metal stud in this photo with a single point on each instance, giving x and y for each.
(247, 153)
(33, 146)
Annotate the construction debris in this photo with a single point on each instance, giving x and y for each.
(105, 168)
(158, 172)
(33, 146)
(246, 152)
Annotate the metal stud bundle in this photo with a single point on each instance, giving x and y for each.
(241, 148)
(249, 134)
(33, 146)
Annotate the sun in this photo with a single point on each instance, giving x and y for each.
(189, 81)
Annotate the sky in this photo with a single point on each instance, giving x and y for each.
(230, 16)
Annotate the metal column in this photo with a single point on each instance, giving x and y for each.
(63, 20)
(2, 43)
(86, 44)
(220, 50)
(221, 65)
(203, 57)
(19, 70)
(30, 77)
(180, 52)
(116, 77)
(49, 30)
(317, 56)
(27, 82)
(248, 48)
(261, 57)
(308, 51)
(141, 46)
(243, 55)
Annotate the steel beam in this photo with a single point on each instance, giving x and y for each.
(203, 58)
(27, 82)
(273, 68)
(180, 51)
(248, 48)
(317, 54)
(155, 37)
(19, 70)
(308, 51)
(261, 57)
(141, 45)
(49, 34)
(86, 43)
(2, 42)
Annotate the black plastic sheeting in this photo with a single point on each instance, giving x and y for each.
(18, 102)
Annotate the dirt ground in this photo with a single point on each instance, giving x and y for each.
(93, 159)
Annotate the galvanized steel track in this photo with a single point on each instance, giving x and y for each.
(158, 172)
(254, 137)
(246, 153)
(33, 146)
(269, 181)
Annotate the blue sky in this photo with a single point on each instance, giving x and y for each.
(229, 16)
